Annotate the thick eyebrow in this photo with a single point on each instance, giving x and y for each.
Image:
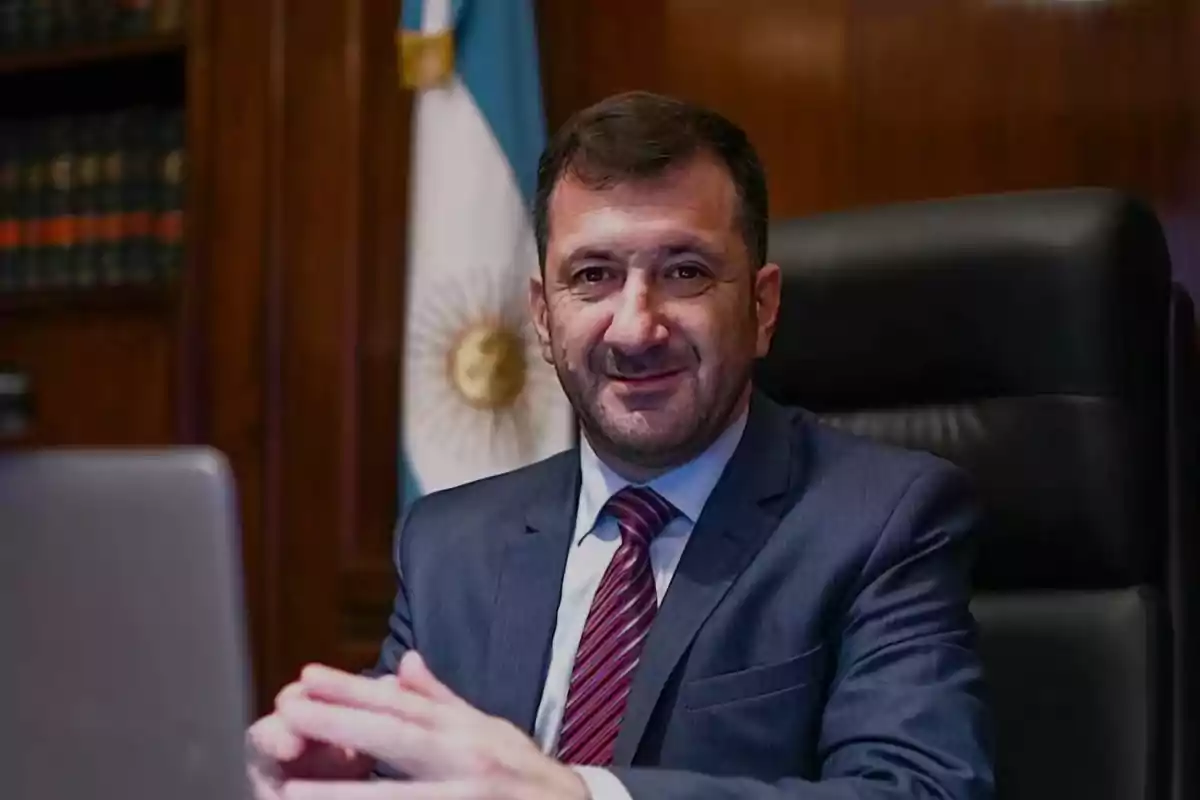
(592, 252)
(691, 247)
(681, 247)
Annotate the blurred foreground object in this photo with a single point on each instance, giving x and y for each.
(122, 614)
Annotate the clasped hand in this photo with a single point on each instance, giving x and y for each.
(330, 728)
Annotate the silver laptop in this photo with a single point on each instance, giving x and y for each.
(123, 665)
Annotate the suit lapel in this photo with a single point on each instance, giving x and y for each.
(527, 598)
(736, 521)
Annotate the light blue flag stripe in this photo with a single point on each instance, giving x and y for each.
(411, 14)
(497, 53)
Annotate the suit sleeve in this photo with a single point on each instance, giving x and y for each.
(399, 639)
(905, 716)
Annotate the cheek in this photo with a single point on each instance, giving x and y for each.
(575, 331)
(710, 335)
(721, 338)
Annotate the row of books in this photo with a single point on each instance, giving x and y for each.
(38, 24)
(92, 200)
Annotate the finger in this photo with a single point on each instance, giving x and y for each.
(416, 675)
(384, 790)
(335, 686)
(383, 736)
(293, 689)
(274, 740)
(264, 789)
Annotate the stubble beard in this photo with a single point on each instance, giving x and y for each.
(655, 450)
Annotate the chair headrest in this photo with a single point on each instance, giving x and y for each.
(1021, 335)
(1060, 292)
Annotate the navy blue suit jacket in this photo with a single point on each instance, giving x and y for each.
(815, 642)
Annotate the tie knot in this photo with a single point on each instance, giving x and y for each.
(641, 514)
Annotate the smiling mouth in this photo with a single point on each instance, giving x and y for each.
(647, 381)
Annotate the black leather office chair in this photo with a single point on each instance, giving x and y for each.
(1037, 340)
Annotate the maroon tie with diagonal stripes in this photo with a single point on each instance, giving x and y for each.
(616, 627)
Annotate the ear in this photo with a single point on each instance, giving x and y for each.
(768, 287)
(540, 313)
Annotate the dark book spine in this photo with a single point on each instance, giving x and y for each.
(10, 182)
(112, 177)
(99, 19)
(59, 234)
(137, 198)
(85, 267)
(69, 22)
(172, 178)
(39, 23)
(134, 17)
(12, 24)
(33, 203)
(169, 15)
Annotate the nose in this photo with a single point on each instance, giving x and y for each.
(636, 324)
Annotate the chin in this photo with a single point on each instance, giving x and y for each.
(645, 420)
(647, 433)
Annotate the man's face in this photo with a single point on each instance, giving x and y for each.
(650, 311)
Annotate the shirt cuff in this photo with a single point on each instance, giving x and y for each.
(602, 784)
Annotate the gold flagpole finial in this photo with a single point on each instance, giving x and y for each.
(426, 59)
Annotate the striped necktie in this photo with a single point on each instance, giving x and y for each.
(616, 627)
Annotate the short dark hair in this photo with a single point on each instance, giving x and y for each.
(640, 135)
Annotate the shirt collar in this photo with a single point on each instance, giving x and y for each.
(686, 487)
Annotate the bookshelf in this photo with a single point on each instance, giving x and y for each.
(94, 162)
(90, 54)
(158, 298)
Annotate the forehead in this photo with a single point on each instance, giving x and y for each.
(696, 199)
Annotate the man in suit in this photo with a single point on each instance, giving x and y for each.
(712, 596)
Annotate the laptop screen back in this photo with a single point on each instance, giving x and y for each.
(122, 620)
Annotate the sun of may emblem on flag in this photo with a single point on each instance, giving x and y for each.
(480, 385)
(487, 366)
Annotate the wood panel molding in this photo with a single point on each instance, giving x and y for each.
(232, 291)
(300, 289)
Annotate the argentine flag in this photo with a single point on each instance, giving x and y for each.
(477, 397)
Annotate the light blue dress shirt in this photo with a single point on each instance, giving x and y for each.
(595, 542)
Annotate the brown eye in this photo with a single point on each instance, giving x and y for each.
(687, 272)
(593, 274)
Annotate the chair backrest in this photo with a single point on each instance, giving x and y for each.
(1037, 340)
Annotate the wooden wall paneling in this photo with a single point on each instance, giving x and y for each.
(191, 368)
(228, 272)
(312, 182)
(562, 35)
(955, 97)
(921, 125)
(382, 168)
(777, 68)
(590, 50)
(367, 581)
(857, 102)
(339, 317)
(99, 377)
